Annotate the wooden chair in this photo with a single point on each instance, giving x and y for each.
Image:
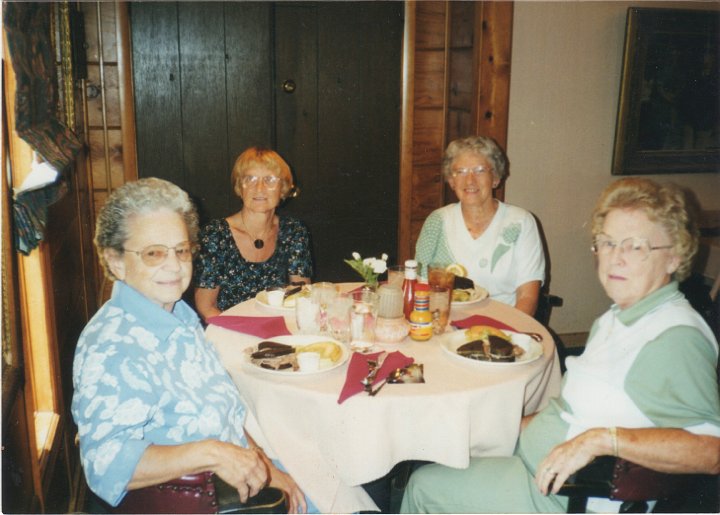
(621, 480)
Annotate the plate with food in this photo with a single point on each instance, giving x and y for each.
(279, 355)
(488, 346)
(282, 298)
(463, 296)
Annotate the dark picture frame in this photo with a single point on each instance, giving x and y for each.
(669, 110)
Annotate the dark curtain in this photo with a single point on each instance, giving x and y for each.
(27, 26)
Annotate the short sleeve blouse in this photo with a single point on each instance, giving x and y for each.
(220, 264)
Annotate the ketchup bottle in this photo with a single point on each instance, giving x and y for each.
(408, 287)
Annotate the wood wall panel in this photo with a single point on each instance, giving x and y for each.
(430, 79)
(461, 82)
(430, 25)
(427, 190)
(471, 49)
(97, 158)
(112, 97)
(108, 35)
(202, 62)
(428, 136)
(156, 65)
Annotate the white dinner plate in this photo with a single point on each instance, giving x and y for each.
(479, 293)
(295, 340)
(533, 350)
(262, 299)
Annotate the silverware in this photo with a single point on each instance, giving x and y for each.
(535, 336)
(292, 291)
(389, 379)
(373, 367)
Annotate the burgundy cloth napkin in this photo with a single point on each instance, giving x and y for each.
(262, 327)
(481, 320)
(358, 369)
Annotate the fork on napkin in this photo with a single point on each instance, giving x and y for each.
(470, 321)
(359, 368)
(262, 327)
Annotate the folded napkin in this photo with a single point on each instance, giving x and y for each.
(481, 320)
(358, 369)
(262, 327)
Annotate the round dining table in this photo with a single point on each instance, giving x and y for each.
(464, 408)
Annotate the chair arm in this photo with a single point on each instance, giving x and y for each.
(622, 480)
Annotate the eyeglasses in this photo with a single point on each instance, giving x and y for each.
(463, 172)
(154, 255)
(251, 181)
(637, 249)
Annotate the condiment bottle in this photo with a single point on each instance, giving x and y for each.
(408, 286)
(421, 327)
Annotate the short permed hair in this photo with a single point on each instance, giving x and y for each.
(265, 158)
(135, 198)
(666, 204)
(481, 145)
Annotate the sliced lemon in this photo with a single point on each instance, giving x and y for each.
(457, 269)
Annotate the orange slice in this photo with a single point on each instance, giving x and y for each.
(457, 269)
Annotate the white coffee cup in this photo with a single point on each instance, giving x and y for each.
(309, 361)
(275, 296)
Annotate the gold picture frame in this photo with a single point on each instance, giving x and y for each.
(669, 110)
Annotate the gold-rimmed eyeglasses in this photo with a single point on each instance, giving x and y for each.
(465, 172)
(251, 181)
(154, 255)
(632, 248)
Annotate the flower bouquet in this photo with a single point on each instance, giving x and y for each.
(368, 268)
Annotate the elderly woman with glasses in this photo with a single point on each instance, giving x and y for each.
(152, 400)
(497, 244)
(645, 388)
(254, 248)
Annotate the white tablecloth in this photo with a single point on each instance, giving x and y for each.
(463, 409)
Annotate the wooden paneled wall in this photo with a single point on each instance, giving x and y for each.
(456, 81)
(107, 104)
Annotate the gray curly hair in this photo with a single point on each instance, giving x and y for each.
(139, 197)
(664, 204)
(481, 145)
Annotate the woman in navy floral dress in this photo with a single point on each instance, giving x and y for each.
(254, 248)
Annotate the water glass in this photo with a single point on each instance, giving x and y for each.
(338, 317)
(307, 314)
(323, 294)
(439, 308)
(362, 319)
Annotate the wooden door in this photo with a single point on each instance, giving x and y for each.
(209, 82)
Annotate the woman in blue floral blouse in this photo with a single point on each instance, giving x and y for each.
(152, 400)
(254, 248)
(498, 244)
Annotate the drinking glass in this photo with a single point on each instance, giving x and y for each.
(439, 276)
(439, 308)
(323, 295)
(307, 314)
(338, 317)
(362, 319)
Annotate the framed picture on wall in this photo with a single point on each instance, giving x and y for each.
(669, 111)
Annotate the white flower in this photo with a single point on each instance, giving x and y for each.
(356, 256)
(384, 257)
(379, 266)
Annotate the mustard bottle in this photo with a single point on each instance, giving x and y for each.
(421, 319)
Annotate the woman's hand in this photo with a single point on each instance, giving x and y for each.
(245, 469)
(206, 302)
(568, 457)
(283, 481)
